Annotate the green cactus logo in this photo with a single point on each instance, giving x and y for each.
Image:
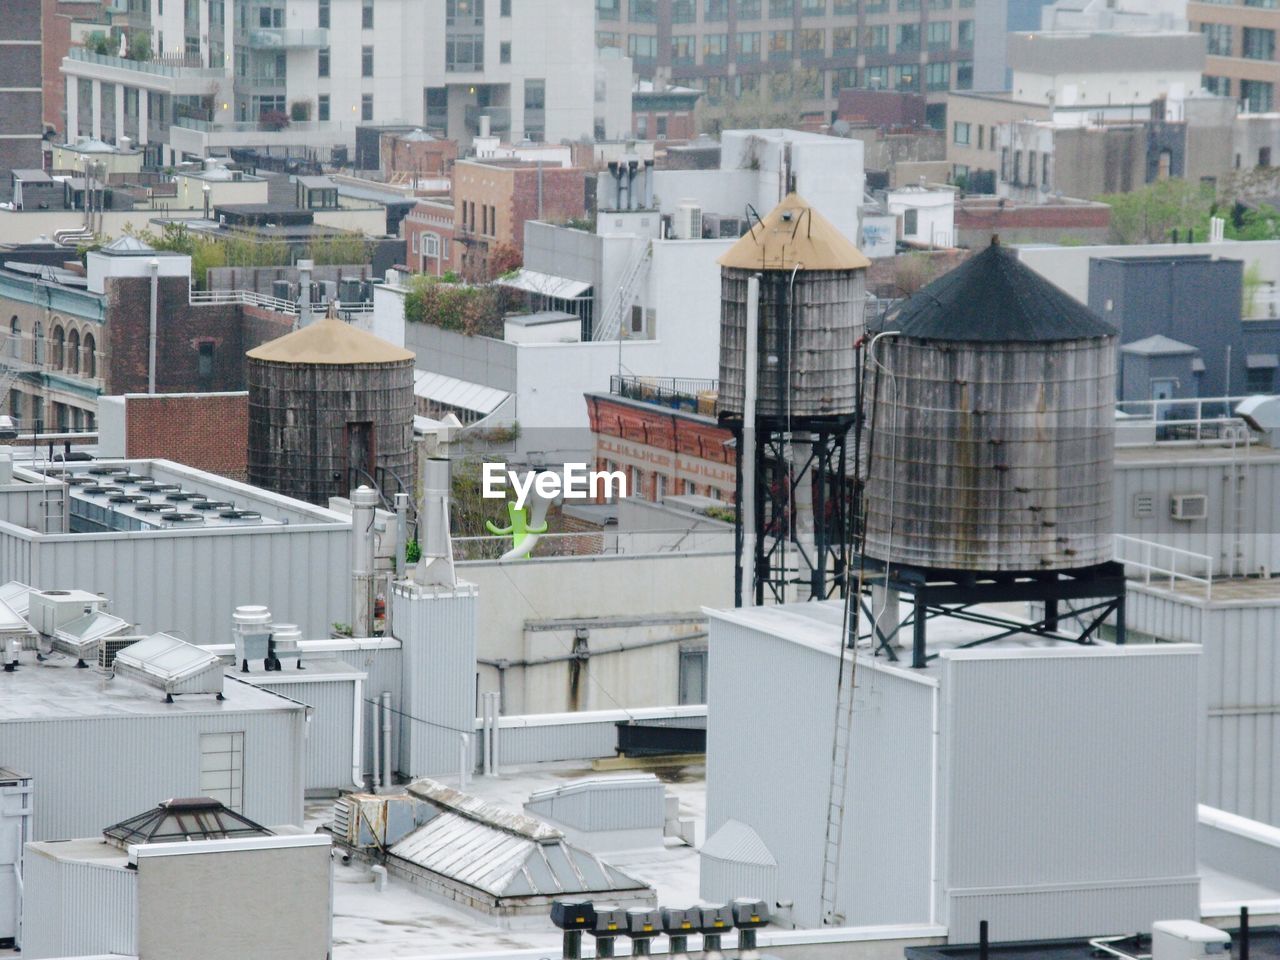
(520, 531)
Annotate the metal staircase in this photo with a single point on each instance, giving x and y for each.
(610, 325)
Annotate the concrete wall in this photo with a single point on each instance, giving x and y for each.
(516, 594)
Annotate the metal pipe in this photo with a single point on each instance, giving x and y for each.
(747, 449)
(486, 755)
(984, 945)
(304, 283)
(375, 707)
(386, 739)
(462, 766)
(494, 740)
(364, 500)
(402, 533)
(357, 738)
(1244, 933)
(154, 265)
(571, 945)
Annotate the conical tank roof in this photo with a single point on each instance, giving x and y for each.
(794, 234)
(994, 296)
(330, 341)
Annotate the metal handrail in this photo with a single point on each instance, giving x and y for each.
(254, 299)
(1150, 565)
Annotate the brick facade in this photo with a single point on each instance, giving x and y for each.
(664, 451)
(206, 431)
(428, 238)
(494, 199)
(198, 346)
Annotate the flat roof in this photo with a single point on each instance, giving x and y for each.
(1137, 455)
(1264, 944)
(59, 690)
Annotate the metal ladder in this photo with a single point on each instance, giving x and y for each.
(1238, 481)
(54, 507)
(840, 743)
(611, 322)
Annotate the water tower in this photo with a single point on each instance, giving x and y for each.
(792, 301)
(991, 428)
(330, 409)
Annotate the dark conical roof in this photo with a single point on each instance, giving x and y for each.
(994, 296)
(190, 818)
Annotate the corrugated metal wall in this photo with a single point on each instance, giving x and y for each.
(78, 909)
(720, 881)
(771, 710)
(329, 733)
(1029, 742)
(91, 773)
(438, 676)
(1260, 513)
(382, 669)
(193, 583)
(606, 806)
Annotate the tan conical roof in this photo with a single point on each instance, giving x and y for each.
(794, 233)
(330, 341)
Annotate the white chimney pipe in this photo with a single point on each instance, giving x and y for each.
(364, 502)
(304, 282)
(386, 739)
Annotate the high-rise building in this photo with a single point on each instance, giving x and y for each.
(21, 98)
(221, 73)
(1242, 60)
(803, 52)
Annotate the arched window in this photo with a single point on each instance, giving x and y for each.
(59, 346)
(15, 338)
(90, 356)
(37, 344)
(73, 351)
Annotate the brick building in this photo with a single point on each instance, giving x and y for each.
(428, 237)
(664, 449)
(664, 113)
(208, 431)
(1059, 220)
(492, 201)
(21, 89)
(416, 155)
(57, 16)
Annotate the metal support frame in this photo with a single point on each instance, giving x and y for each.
(940, 593)
(826, 468)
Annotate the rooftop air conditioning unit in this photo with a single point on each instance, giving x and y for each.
(50, 609)
(1189, 506)
(687, 222)
(1187, 940)
(110, 646)
(363, 820)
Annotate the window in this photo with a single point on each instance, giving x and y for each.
(1044, 169)
(1217, 38)
(908, 5)
(1257, 96)
(937, 76)
(781, 9)
(876, 39)
(37, 343)
(59, 346)
(15, 338)
(322, 107)
(222, 768)
(642, 11)
(1031, 168)
(430, 245)
(607, 39)
(960, 133)
(366, 61)
(876, 78)
(90, 356)
(813, 44)
(964, 32)
(683, 51)
(641, 48)
(981, 132)
(1218, 86)
(504, 52)
(939, 35)
(662, 128)
(684, 11)
(910, 222)
(366, 107)
(322, 62)
(1259, 44)
(204, 365)
(73, 351)
(366, 15)
(1265, 4)
(779, 44)
(322, 17)
(504, 8)
(715, 11)
(1259, 380)
(748, 9)
(907, 76)
(964, 74)
(748, 47)
(464, 53)
(714, 49)
(908, 38)
(842, 40)
(1264, 156)
(607, 9)
(693, 673)
(813, 8)
(843, 78)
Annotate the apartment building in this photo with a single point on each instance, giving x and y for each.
(266, 73)
(809, 50)
(1242, 62)
(21, 129)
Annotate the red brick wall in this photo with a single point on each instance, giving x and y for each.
(206, 431)
(182, 327)
(57, 16)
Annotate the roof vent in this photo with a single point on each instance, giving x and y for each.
(213, 505)
(177, 517)
(185, 819)
(240, 515)
(172, 665)
(185, 497)
(155, 508)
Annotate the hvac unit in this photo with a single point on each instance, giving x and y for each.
(283, 290)
(687, 222)
(50, 609)
(362, 820)
(110, 646)
(731, 228)
(1189, 506)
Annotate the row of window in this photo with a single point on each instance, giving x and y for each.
(752, 46)
(1254, 96)
(810, 84)
(962, 134)
(28, 410)
(324, 14)
(69, 353)
(432, 246)
(1256, 43)
(466, 12)
(717, 11)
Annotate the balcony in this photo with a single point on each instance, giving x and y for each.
(159, 68)
(288, 39)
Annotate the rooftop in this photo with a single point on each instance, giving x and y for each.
(330, 341)
(1264, 944)
(794, 234)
